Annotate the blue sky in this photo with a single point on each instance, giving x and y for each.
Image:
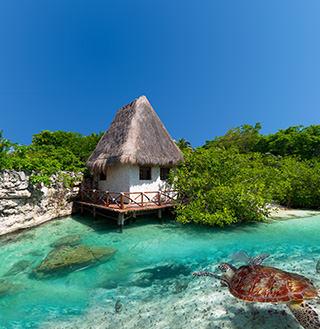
(204, 65)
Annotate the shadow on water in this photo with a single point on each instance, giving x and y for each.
(167, 271)
(103, 225)
(17, 236)
(98, 224)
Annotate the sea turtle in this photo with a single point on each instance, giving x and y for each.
(264, 284)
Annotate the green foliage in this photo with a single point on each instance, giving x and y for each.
(43, 161)
(233, 177)
(291, 159)
(80, 146)
(51, 153)
(299, 140)
(222, 187)
(243, 138)
(297, 184)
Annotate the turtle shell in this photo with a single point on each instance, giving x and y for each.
(266, 284)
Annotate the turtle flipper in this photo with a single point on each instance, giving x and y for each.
(212, 275)
(258, 260)
(305, 315)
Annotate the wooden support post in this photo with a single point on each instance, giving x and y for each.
(94, 196)
(81, 209)
(121, 221)
(160, 216)
(159, 198)
(94, 213)
(121, 200)
(82, 195)
(134, 216)
(107, 192)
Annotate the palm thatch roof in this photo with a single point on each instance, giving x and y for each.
(137, 136)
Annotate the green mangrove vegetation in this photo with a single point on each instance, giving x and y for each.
(235, 177)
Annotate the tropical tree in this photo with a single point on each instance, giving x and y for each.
(184, 145)
(244, 138)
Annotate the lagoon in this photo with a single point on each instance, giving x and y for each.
(148, 282)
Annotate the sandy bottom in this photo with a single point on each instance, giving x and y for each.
(203, 304)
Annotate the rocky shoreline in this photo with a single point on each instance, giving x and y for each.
(24, 205)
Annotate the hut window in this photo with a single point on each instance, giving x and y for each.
(164, 172)
(145, 173)
(103, 176)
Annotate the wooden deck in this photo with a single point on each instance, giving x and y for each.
(129, 209)
(126, 203)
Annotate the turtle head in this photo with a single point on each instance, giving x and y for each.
(227, 270)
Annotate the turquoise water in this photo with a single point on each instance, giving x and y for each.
(146, 247)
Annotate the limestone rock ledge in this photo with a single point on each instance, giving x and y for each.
(23, 204)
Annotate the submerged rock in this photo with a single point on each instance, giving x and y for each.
(66, 259)
(318, 266)
(7, 288)
(18, 267)
(69, 240)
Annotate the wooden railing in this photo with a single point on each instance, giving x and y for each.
(123, 200)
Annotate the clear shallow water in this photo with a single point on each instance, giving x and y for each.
(141, 247)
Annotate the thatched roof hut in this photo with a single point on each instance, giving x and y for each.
(136, 136)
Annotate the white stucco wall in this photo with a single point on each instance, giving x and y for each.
(153, 185)
(125, 178)
(137, 185)
(118, 179)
